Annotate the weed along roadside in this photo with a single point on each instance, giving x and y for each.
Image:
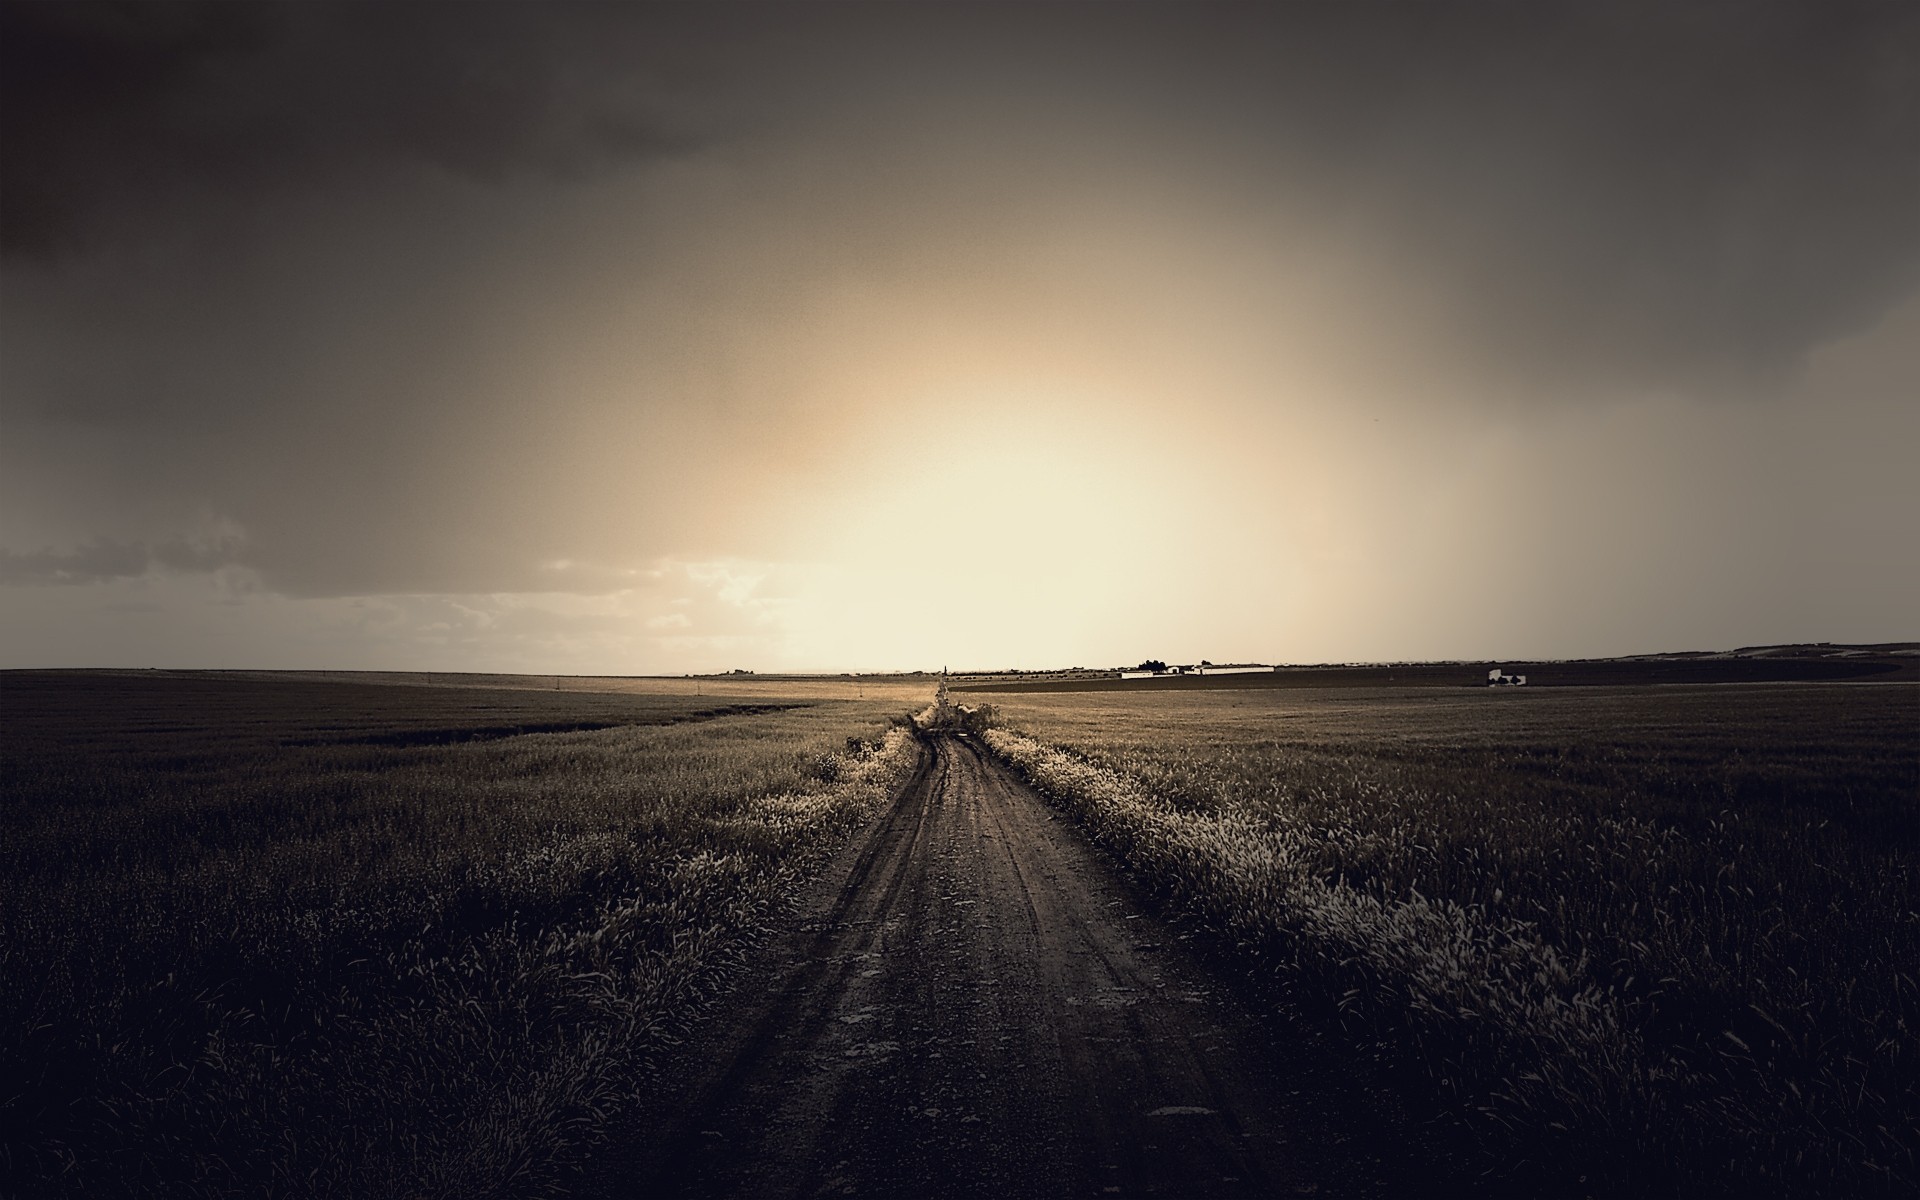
(247, 956)
(1617, 941)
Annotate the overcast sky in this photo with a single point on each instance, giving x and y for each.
(618, 339)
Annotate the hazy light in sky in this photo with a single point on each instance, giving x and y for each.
(631, 339)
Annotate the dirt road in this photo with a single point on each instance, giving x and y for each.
(973, 1005)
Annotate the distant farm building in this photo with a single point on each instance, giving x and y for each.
(1162, 671)
(1496, 679)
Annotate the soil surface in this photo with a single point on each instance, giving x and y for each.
(972, 1003)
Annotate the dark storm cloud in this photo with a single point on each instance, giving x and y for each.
(104, 559)
(111, 110)
(1636, 187)
(1626, 189)
(375, 283)
(1615, 192)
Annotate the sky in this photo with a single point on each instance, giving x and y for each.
(619, 339)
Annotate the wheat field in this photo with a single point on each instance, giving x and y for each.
(1638, 939)
(294, 938)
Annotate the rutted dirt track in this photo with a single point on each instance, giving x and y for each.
(972, 1005)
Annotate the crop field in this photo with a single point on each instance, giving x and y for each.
(268, 935)
(1628, 940)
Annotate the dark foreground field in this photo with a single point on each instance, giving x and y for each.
(283, 937)
(1632, 941)
(269, 936)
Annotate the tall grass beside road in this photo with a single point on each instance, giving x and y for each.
(1643, 942)
(299, 939)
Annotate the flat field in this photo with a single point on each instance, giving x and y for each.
(1630, 940)
(269, 934)
(279, 935)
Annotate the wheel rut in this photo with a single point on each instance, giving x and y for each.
(971, 1003)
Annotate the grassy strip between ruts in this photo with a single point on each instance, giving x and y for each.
(423, 971)
(1549, 1056)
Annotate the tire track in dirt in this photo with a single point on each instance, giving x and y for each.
(971, 1004)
